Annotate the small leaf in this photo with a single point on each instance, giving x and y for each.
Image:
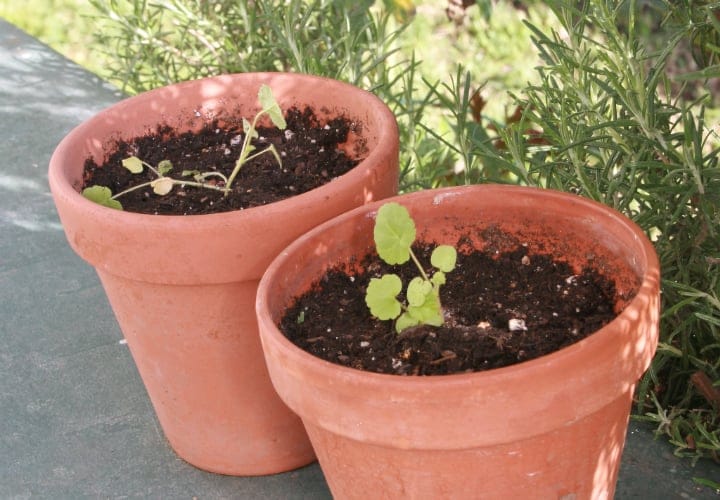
(271, 107)
(417, 291)
(203, 176)
(404, 322)
(444, 258)
(429, 312)
(164, 167)
(133, 164)
(381, 295)
(274, 152)
(190, 173)
(438, 279)
(162, 186)
(249, 129)
(102, 196)
(394, 233)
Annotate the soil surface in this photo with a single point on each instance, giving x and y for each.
(310, 151)
(483, 295)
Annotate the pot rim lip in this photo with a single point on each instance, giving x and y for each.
(649, 283)
(61, 187)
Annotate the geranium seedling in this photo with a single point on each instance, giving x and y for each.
(164, 184)
(394, 234)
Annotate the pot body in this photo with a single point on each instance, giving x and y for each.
(552, 427)
(183, 288)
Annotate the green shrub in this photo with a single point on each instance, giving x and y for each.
(605, 121)
(150, 44)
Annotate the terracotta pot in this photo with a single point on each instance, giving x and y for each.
(553, 427)
(183, 287)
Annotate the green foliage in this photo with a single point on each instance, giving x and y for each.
(606, 121)
(135, 165)
(394, 234)
(270, 108)
(102, 196)
(616, 133)
(164, 184)
(151, 44)
(381, 296)
(444, 258)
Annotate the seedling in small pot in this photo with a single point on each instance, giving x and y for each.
(164, 184)
(394, 234)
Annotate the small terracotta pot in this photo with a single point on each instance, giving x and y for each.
(552, 427)
(183, 287)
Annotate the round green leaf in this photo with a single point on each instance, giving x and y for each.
(394, 233)
(133, 164)
(404, 322)
(381, 295)
(438, 278)
(444, 258)
(417, 291)
(102, 196)
(429, 312)
(164, 167)
(271, 107)
(162, 186)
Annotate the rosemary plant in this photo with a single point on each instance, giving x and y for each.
(605, 121)
(150, 44)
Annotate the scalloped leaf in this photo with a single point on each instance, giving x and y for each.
(394, 233)
(102, 196)
(404, 322)
(444, 257)
(164, 167)
(429, 312)
(417, 291)
(271, 107)
(381, 295)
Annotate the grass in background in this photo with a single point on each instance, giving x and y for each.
(494, 45)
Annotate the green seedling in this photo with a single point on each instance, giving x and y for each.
(394, 235)
(163, 184)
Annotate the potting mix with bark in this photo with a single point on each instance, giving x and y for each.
(310, 151)
(500, 309)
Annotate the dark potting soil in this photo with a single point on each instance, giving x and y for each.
(310, 152)
(482, 296)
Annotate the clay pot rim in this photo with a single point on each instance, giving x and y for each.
(410, 384)
(62, 187)
(222, 247)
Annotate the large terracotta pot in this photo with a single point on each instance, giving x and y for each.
(553, 427)
(183, 287)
